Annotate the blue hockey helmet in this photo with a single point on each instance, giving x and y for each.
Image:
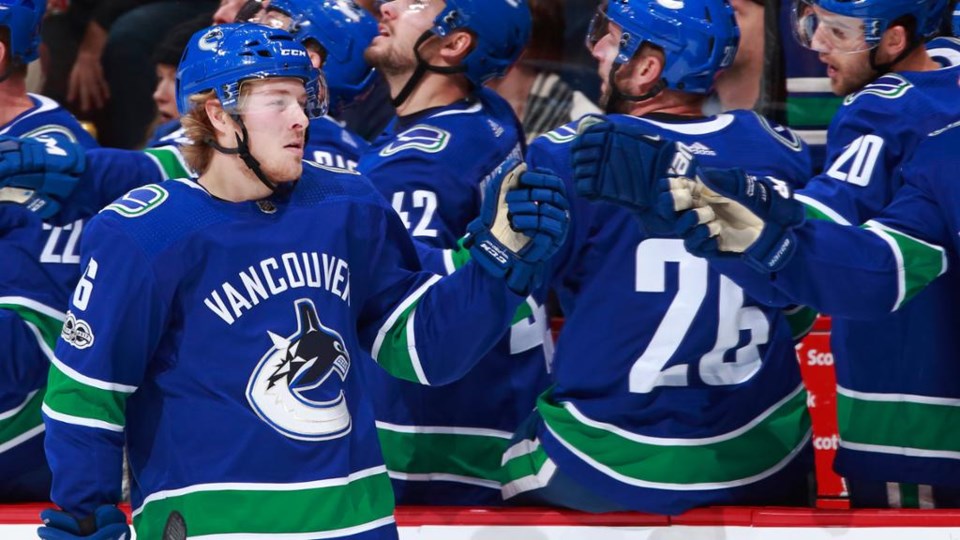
(222, 57)
(698, 37)
(22, 18)
(343, 29)
(874, 17)
(501, 29)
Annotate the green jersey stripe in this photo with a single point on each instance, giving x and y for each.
(324, 509)
(526, 466)
(919, 262)
(472, 458)
(47, 322)
(926, 427)
(68, 395)
(749, 454)
(79, 420)
(817, 210)
(169, 161)
(23, 418)
(395, 345)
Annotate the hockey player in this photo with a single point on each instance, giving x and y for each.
(335, 34)
(443, 445)
(672, 388)
(39, 250)
(897, 96)
(236, 309)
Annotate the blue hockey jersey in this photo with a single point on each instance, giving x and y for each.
(443, 444)
(898, 425)
(40, 266)
(221, 341)
(874, 132)
(673, 389)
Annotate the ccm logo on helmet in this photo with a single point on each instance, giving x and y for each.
(292, 52)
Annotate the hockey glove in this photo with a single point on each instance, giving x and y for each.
(522, 223)
(622, 164)
(39, 173)
(726, 212)
(106, 523)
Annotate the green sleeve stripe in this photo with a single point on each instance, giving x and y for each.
(333, 508)
(740, 457)
(170, 162)
(927, 426)
(79, 420)
(522, 462)
(68, 396)
(918, 262)
(20, 420)
(801, 320)
(818, 210)
(395, 347)
(47, 321)
(457, 455)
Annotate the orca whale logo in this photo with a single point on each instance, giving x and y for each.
(297, 387)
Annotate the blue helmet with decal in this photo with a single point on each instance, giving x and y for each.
(876, 16)
(22, 18)
(501, 29)
(698, 37)
(343, 29)
(222, 57)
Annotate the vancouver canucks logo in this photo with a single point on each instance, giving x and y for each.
(292, 388)
(210, 40)
(421, 137)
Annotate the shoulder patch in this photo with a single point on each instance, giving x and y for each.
(139, 201)
(561, 135)
(422, 138)
(890, 86)
(781, 133)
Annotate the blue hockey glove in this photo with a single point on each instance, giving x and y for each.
(522, 223)
(39, 173)
(726, 212)
(106, 523)
(622, 164)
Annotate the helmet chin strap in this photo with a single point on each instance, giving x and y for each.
(422, 68)
(243, 151)
(617, 97)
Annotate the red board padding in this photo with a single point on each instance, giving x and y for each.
(26, 514)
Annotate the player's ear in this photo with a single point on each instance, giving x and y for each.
(645, 70)
(219, 118)
(456, 46)
(4, 55)
(895, 40)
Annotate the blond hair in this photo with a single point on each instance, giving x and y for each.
(198, 128)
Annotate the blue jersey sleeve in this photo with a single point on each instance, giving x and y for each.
(113, 326)
(411, 319)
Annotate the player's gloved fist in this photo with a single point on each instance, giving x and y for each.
(522, 223)
(726, 212)
(622, 164)
(106, 523)
(39, 173)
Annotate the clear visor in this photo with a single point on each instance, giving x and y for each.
(279, 99)
(248, 11)
(599, 27)
(823, 31)
(404, 5)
